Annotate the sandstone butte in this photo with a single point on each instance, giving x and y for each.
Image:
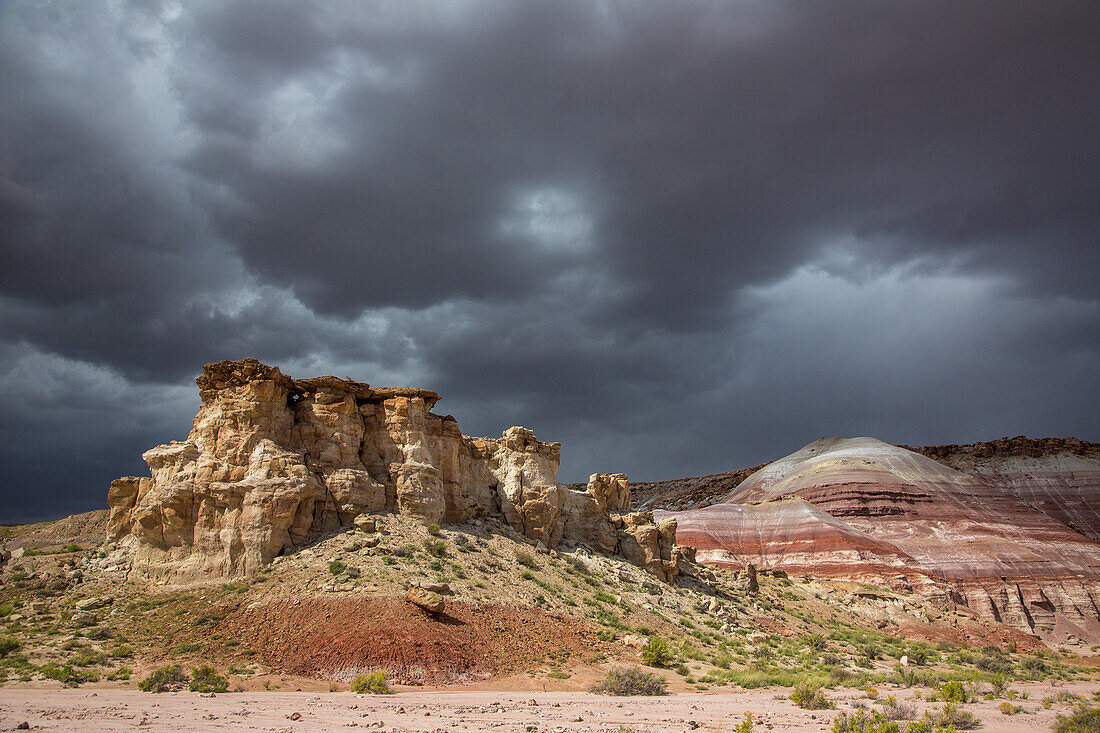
(1007, 531)
(272, 464)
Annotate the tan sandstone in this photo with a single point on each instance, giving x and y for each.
(274, 463)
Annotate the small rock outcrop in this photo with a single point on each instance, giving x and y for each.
(273, 463)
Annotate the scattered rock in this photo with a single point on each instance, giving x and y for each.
(89, 604)
(366, 523)
(84, 618)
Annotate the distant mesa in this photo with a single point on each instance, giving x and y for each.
(274, 463)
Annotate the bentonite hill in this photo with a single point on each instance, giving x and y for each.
(310, 533)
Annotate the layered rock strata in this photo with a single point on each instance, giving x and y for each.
(864, 510)
(272, 463)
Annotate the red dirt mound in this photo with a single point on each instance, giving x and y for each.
(339, 637)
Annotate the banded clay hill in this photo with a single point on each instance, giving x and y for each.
(309, 531)
(1005, 530)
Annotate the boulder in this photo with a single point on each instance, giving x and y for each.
(90, 604)
(427, 600)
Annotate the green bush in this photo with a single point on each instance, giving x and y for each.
(951, 716)
(1034, 666)
(8, 644)
(526, 559)
(816, 642)
(656, 653)
(122, 673)
(1084, 719)
(336, 567)
(433, 529)
(630, 681)
(860, 721)
(164, 679)
(88, 658)
(954, 692)
(68, 675)
(374, 683)
(809, 696)
(437, 548)
(207, 679)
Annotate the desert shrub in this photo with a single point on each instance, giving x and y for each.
(954, 691)
(164, 679)
(894, 710)
(8, 644)
(860, 721)
(630, 681)
(557, 674)
(207, 679)
(436, 548)
(815, 642)
(68, 675)
(526, 559)
(951, 716)
(122, 673)
(1084, 719)
(98, 633)
(1008, 708)
(809, 696)
(906, 677)
(745, 726)
(1034, 666)
(336, 567)
(999, 683)
(375, 683)
(994, 663)
(433, 529)
(87, 658)
(924, 726)
(656, 653)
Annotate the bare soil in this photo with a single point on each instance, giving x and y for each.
(338, 638)
(466, 710)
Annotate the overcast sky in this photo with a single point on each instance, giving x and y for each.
(678, 237)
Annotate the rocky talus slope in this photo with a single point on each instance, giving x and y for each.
(992, 540)
(274, 463)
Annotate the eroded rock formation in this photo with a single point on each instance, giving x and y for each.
(1008, 539)
(272, 463)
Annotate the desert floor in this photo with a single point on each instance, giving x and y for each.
(123, 710)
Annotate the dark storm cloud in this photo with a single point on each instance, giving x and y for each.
(679, 237)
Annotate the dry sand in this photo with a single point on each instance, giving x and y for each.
(546, 712)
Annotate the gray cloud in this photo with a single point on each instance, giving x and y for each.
(681, 238)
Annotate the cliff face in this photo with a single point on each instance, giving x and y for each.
(992, 538)
(272, 463)
(1057, 476)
